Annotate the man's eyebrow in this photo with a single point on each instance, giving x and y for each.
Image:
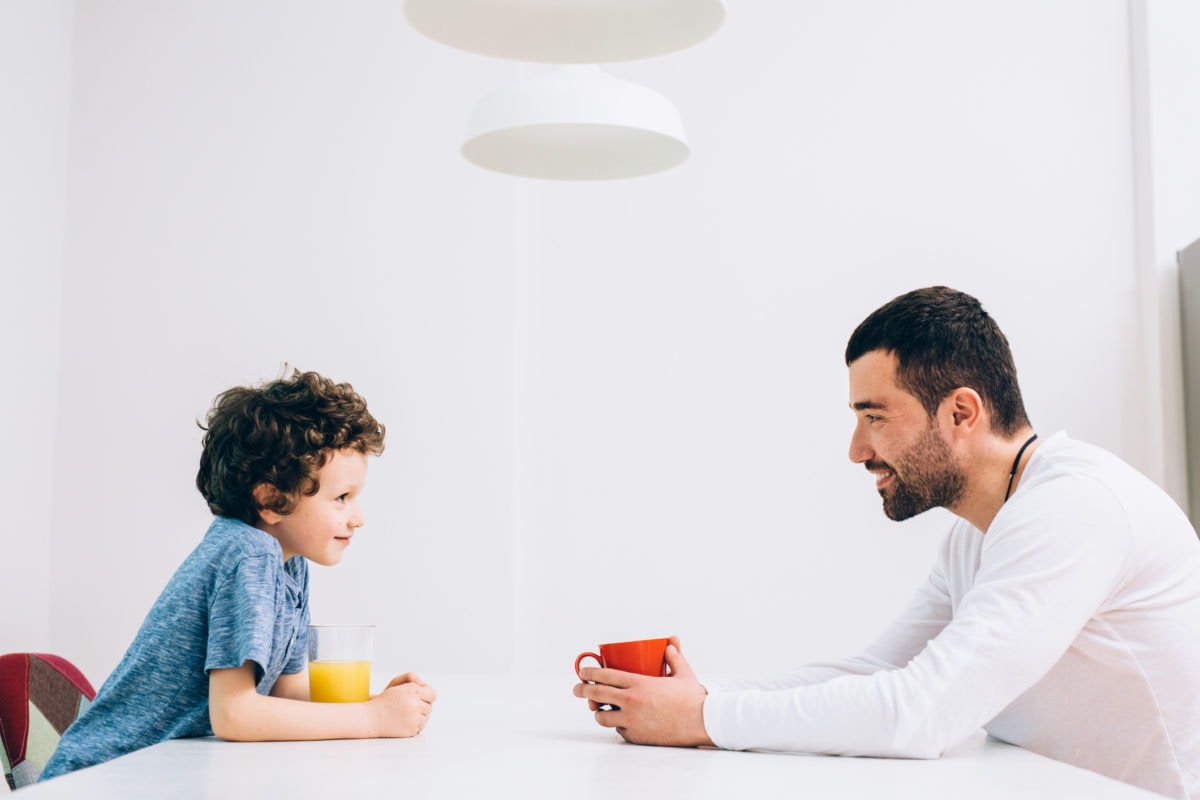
(867, 405)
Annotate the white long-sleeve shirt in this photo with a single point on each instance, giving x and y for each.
(1072, 628)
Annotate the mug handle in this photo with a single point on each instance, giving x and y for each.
(582, 656)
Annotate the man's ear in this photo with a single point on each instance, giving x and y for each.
(266, 496)
(966, 408)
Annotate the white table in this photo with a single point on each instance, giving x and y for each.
(529, 737)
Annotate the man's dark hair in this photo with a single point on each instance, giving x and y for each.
(280, 433)
(943, 340)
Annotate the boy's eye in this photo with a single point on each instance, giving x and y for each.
(341, 498)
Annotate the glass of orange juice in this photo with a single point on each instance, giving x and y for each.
(339, 663)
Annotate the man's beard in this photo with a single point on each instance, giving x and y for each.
(932, 478)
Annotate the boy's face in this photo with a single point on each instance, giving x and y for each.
(321, 526)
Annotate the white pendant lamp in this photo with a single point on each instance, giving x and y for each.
(575, 123)
(567, 31)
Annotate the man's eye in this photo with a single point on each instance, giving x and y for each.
(871, 419)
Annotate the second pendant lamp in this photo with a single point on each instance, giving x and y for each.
(573, 122)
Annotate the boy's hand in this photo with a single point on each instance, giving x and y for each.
(402, 709)
(408, 677)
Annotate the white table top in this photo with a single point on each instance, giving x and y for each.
(529, 737)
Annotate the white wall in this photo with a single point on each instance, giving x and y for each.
(1174, 63)
(614, 409)
(259, 183)
(683, 398)
(35, 68)
(1166, 62)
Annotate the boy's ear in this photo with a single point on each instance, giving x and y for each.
(265, 497)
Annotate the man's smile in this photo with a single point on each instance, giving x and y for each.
(883, 474)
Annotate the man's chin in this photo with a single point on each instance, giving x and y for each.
(900, 512)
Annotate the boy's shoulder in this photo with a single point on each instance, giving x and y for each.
(231, 539)
(229, 542)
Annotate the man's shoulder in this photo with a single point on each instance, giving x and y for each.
(1061, 448)
(1064, 460)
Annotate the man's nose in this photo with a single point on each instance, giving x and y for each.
(860, 448)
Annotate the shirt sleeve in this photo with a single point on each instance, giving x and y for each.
(1043, 572)
(242, 616)
(926, 615)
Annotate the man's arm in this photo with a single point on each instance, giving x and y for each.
(1040, 581)
(926, 615)
(1041, 577)
(239, 713)
(669, 711)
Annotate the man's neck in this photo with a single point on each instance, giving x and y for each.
(992, 479)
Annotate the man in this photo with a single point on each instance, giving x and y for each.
(1062, 613)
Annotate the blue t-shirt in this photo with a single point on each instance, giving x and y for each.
(233, 600)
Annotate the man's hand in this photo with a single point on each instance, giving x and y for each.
(647, 710)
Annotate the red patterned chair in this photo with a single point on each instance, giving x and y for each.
(40, 696)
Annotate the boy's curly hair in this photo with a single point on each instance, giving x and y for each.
(279, 433)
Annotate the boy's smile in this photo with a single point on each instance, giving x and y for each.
(321, 526)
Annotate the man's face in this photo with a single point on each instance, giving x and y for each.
(895, 439)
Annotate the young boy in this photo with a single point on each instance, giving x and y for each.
(223, 650)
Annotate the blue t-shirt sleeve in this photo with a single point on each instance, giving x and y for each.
(242, 616)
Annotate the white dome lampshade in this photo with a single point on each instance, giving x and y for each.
(567, 31)
(575, 123)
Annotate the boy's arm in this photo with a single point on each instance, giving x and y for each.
(239, 713)
(293, 687)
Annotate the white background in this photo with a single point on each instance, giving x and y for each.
(616, 409)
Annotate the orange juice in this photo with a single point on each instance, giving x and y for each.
(339, 681)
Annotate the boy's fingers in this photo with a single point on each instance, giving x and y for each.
(408, 677)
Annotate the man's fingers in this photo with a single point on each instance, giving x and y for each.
(599, 694)
(611, 718)
(676, 663)
(608, 677)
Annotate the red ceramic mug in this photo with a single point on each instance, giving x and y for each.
(644, 656)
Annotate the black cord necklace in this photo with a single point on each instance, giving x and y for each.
(1016, 461)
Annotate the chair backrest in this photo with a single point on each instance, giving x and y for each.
(40, 696)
